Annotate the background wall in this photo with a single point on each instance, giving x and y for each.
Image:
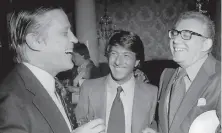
(151, 20)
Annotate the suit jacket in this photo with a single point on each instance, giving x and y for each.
(26, 107)
(93, 102)
(205, 87)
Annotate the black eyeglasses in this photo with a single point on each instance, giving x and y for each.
(185, 34)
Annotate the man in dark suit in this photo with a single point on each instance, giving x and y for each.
(29, 102)
(137, 98)
(191, 42)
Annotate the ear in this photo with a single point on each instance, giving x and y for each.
(207, 44)
(34, 42)
(137, 63)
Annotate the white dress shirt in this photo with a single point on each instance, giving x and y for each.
(48, 83)
(126, 96)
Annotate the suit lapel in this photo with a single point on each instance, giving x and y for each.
(51, 113)
(194, 92)
(139, 107)
(43, 101)
(98, 98)
(163, 105)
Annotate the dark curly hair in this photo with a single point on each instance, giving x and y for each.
(128, 40)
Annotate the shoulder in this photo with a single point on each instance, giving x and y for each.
(166, 75)
(15, 86)
(12, 96)
(13, 83)
(93, 83)
(168, 71)
(147, 92)
(149, 88)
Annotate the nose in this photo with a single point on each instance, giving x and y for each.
(119, 60)
(73, 38)
(177, 39)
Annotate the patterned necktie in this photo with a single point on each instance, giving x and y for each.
(177, 93)
(61, 92)
(116, 122)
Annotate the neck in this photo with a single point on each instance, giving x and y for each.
(44, 67)
(183, 65)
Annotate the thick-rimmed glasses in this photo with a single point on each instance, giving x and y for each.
(185, 34)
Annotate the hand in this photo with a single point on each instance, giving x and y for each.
(75, 82)
(149, 130)
(73, 89)
(94, 126)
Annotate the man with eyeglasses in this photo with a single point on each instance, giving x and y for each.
(41, 37)
(190, 96)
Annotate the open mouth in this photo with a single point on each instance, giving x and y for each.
(179, 49)
(69, 51)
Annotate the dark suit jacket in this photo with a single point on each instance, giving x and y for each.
(26, 107)
(93, 101)
(207, 85)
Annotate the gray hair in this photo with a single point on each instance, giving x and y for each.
(210, 26)
(23, 22)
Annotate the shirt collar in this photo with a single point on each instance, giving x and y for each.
(46, 79)
(194, 68)
(127, 86)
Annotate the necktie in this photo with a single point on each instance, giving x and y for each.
(61, 93)
(177, 93)
(116, 122)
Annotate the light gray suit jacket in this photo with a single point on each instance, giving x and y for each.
(93, 101)
(206, 85)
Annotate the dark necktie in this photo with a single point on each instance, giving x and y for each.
(177, 94)
(116, 122)
(60, 90)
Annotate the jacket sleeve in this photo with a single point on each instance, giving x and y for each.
(218, 110)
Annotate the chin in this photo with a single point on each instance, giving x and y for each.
(117, 77)
(68, 66)
(178, 58)
(121, 78)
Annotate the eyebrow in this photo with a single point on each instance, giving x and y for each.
(126, 52)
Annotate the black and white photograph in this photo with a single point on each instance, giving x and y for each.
(110, 66)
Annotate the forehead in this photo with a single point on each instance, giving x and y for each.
(120, 49)
(192, 25)
(57, 18)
